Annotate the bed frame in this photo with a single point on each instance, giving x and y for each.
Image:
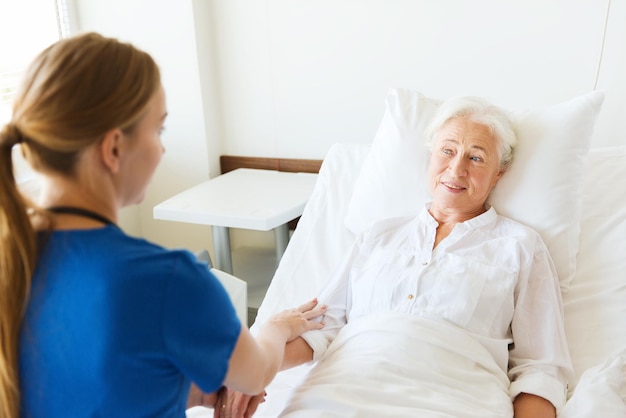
(290, 165)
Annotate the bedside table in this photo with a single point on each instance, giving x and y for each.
(244, 198)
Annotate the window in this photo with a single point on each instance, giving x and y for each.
(28, 26)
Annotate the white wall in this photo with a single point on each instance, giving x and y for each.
(297, 76)
(284, 78)
(167, 30)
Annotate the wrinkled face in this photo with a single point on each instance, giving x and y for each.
(145, 150)
(464, 166)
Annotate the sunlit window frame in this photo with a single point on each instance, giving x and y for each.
(66, 19)
(66, 25)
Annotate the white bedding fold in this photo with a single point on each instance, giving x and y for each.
(397, 365)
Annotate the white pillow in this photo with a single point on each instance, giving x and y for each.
(595, 306)
(542, 188)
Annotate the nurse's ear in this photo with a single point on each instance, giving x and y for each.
(110, 149)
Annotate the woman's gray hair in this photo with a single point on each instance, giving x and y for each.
(482, 112)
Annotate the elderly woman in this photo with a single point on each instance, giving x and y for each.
(460, 266)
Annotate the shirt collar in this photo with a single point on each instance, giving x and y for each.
(486, 218)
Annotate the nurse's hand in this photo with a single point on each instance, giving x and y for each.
(199, 398)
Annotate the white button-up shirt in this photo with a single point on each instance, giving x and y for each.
(491, 276)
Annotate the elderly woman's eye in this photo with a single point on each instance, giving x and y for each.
(476, 158)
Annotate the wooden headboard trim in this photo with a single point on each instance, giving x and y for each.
(292, 165)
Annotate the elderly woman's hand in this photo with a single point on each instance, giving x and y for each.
(240, 405)
(199, 398)
(220, 406)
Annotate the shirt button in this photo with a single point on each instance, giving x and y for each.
(424, 263)
(410, 296)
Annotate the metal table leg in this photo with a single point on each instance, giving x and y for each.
(221, 244)
(281, 237)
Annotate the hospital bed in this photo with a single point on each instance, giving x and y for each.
(572, 193)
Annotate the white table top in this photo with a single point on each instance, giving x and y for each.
(243, 198)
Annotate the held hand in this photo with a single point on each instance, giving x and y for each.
(220, 407)
(199, 398)
(242, 405)
(300, 319)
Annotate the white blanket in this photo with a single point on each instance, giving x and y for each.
(395, 365)
(601, 391)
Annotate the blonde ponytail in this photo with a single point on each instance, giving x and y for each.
(18, 253)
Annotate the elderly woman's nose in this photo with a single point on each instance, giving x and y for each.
(458, 164)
